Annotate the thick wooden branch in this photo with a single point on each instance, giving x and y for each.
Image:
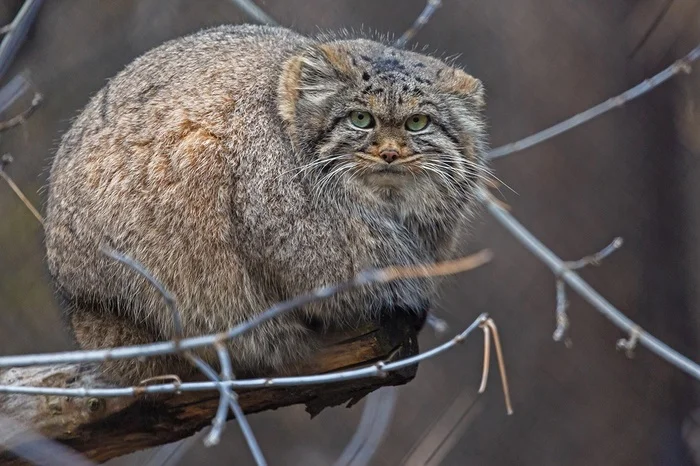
(102, 429)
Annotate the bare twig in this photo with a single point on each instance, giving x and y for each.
(228, 398)
(561, 314)
(559, 268)
(375, 420)
(430, 8)
(165, 294)
(22, 117)
(5, 160)
(489, 327)
(562, 302)
(254, 12)
(501, 364)
(222, 412)
(371, 371)
(682, 65)
(487, 357)
(368, 277)
(16, 33)
(596, 259)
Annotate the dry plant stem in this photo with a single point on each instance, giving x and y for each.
(364, 278)
(430, 8)
(487, 357)
(489, 327)
(501, 364)
(682, 65)
(18, 192)
(558, 267)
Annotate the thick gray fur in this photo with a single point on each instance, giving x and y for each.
(226, 164)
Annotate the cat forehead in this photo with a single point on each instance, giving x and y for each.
(380, 60)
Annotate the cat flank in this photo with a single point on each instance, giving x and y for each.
(243, 165)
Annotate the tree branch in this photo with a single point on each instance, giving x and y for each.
(96, 427)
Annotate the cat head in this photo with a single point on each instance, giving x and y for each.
(388, 124)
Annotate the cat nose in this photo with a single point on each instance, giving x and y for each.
(389, 155)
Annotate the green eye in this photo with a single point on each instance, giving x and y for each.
(417, 122)
(361, 120)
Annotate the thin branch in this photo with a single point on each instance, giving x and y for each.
(13, 90)
(4, 162)
(430, 8)
(375, 421)
(596, 259)
(562, 316)
(369, 277)
(559, 268)
(487, 358)
(17, 32)
(489, 327)
(682, 65)
(222, 412)
(22, 117)
(255, 12)
(228, 398)
(165, 294)
(563, 303)
(368, 417)
(501, 363)
(375, 370)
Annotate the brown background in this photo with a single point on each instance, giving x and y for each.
(631, 173)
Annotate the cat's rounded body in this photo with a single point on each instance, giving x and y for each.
(216, 161)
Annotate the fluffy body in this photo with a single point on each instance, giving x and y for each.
(225, 163)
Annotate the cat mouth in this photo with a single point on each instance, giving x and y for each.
(378, 167)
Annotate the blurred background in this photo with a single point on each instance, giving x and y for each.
(634, 172)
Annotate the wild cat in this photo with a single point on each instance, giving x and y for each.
(243, 165)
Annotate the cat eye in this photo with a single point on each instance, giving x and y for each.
(362, 120)
(417, 122)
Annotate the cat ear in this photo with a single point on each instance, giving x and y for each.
(457, 82)
(312, 78)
